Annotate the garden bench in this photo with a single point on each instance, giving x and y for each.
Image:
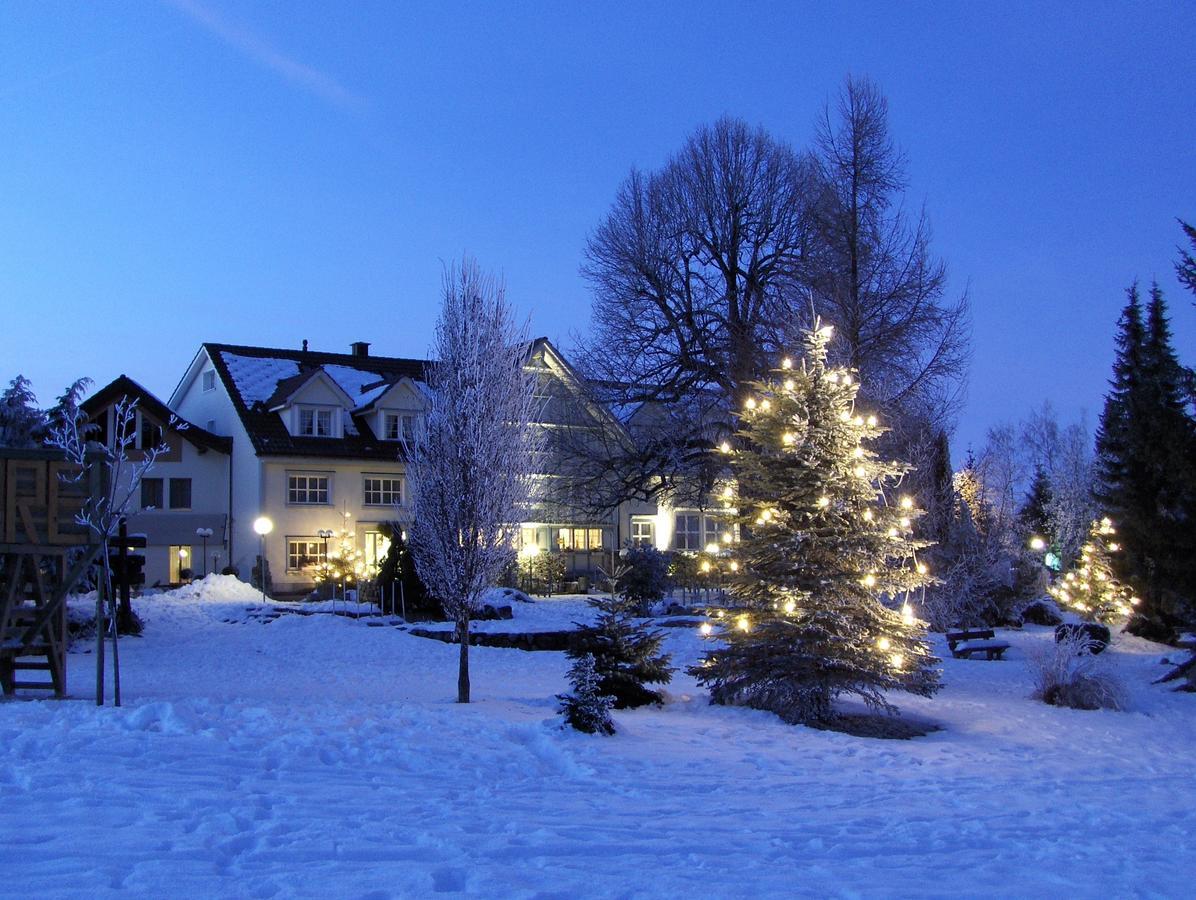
(966, 644)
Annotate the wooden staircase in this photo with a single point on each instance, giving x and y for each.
(36, 664)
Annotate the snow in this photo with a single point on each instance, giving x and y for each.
(257, 377)
(319, 755)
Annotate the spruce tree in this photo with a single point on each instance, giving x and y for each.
(626, 654)
(587, 708)
(1092, 588)
(822, 542)
(1146, 465)
(1034, 516)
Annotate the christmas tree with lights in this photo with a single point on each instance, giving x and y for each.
(343, 566)
(1092, 588)
(826, 566)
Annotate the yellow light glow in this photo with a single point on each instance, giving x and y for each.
(706, 628)
(858, 420)
(789, 384)
(788, 437)
(1113, 548)
(786, 363)
(743, 623)
(790, 606)
(833, 378)
(907, 503)
(872, 422)
(1037, 543)
(845, 416)
(892, 532)
(734, 566)
(869, 580)
(728, 492)
(861, 472)
(922, 568)
(897, 660)
(868, 515)
(858, 452)
(824, 502)
(705, 565)
(884, 643)
(726, 537)
(750, 403)
(907, 614)
(724, 447)
(764, 404)
(847, 379)
(826, 331)
(903, 521)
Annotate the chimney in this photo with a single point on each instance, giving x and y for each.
(360, 348)
(305, 345)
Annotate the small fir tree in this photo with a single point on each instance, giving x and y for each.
(1092, 588)
(822, 543)
(626, 654)
(647, 577)
(343, 566)
(587, 708)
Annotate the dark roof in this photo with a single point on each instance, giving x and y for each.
(124, 386)
(266, 429)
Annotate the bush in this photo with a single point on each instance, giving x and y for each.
(1067, 673)
(646, 580)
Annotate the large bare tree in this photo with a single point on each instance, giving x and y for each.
(697, 273)
(873, 275)
(470, 466)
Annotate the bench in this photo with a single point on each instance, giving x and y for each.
(966, 644)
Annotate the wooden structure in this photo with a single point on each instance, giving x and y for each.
(966, 644)
(43, 552)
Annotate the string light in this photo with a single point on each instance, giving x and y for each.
(883, 644)
(750, 403)
(868, 515)
(824, 502)
(897, 660)
(922, 569)
(786, 363)
(907, 614)
(904, 521)
(788, 438)
(724, 447)
(892, 532)
(869, 580)
(743, 623)
(826, 331)
(790, 606)
(706, 629)
(765, 404)
(861, 472)
(789, 383)
(847, 380)
(858, 452)
(734, 566)
(872, 421)
(907, 503)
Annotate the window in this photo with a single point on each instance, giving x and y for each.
(303, 553)
(390, 430)
(579, 538)
(408, 428)
(180, 563)
(713, 532)
(151, 433)
(383, 490)
(307, 488)
(209, 381)
(687, 533)
(315, 422)
(180, 493)
(151, 493)
(643, 531)
(377, 545)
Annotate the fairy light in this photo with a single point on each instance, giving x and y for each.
(858, 452)
(824, 502)
(706, 629)
(872, 421)
(790, 606)
(897, 660)
(847, 380)
(907, 614)
(861, 472)
(750, 403)
(904, 521)
(765, 404)
(724, 447)
(868, 515)
(869, 580)
(743, 623)
(728, 492)
(883, 644)
(826, 331)
(923, 569)
(892, 532)
(788, 438)
(786, 363)
(734, 566)
(789, 384)
(907, 503)
(833, 377)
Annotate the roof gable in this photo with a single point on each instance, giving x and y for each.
(124, 386)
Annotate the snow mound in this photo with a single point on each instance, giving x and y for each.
(214, 588)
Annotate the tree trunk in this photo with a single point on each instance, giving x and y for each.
(463, 665)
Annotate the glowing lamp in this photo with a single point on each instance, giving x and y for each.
(263, 525)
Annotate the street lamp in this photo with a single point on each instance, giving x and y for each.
(263, 526)
(204, 533)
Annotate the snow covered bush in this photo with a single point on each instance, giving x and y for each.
(587, 708)
(626, 655)
(1068, 673)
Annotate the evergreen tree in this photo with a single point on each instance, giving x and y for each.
(1146, 465)
(1034, 516)
(626, 654)
(969, 494)
(22, 424)
(399, 580)
(940, 510)
(822, 544)
(66, 408)
(587, 708)
(1092, 588)
(1185, 269)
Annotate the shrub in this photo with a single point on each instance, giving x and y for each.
(1068, 673)
(647, 579)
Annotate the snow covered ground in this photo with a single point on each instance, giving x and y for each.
(317, 756)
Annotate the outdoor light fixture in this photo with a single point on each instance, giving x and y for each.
(263, 526)
(204, 534)
(1037, 543)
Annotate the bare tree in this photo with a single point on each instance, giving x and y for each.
(696, 273)
(126, 467)
(471, 464)
(872, 274)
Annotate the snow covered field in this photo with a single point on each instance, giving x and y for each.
(316, 756)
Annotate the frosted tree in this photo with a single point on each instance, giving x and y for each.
(126, 466)
(1092, 588)
(470, 466)
(824, 545)
(626, 655)
(587, 708)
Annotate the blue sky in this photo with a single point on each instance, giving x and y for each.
(175, 172)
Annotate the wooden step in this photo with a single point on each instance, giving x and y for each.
(33, 685)
(30, 666)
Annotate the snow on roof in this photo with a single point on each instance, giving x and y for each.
(257, 377)
(354, 381)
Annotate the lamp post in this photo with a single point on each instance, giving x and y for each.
(182, 562)
(263, 526)
(204, 534)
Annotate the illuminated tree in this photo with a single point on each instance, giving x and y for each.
(1092, 588)
(344, 565)
(826, 554)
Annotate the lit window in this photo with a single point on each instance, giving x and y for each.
(304, 553)
(307, 489)
(381, 490)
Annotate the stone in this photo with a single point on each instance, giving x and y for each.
(1042, 612)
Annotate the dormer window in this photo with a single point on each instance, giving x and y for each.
(314, 422)
(398, 426)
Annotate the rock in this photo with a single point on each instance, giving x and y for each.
(489, 613)
(1042, 612)
(1098, 635)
